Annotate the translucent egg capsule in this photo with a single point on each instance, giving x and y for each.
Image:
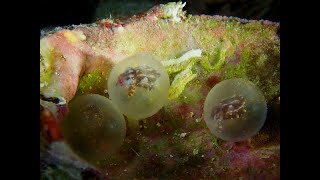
(139, 86)
(94, 128)
(235, 110)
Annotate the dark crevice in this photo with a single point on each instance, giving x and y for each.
(54, 100)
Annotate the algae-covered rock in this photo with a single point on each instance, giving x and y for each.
(78, 59)
(231, 48)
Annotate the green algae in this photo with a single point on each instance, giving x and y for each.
(240, 69)
(181, 63)
(90, 83)
(46, 65)
(191, 94)
(180, 81)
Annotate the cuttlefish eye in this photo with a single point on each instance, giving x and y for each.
(139, 86)
(94, 128)
(235, 110)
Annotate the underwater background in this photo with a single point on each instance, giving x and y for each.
(62, 13)
(192, 160)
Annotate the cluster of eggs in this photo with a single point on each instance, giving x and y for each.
(138, 86)
(95, 126)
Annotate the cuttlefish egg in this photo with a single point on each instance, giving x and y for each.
(235, 110)
(94, 128)
(139, 86)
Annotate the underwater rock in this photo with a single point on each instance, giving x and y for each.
(68, 54)
(77, 59)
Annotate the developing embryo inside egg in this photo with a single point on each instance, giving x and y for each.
(139, 86)
(235, 110)
(94, 128)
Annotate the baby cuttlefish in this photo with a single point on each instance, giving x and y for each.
(230, 108)
(141, 76)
